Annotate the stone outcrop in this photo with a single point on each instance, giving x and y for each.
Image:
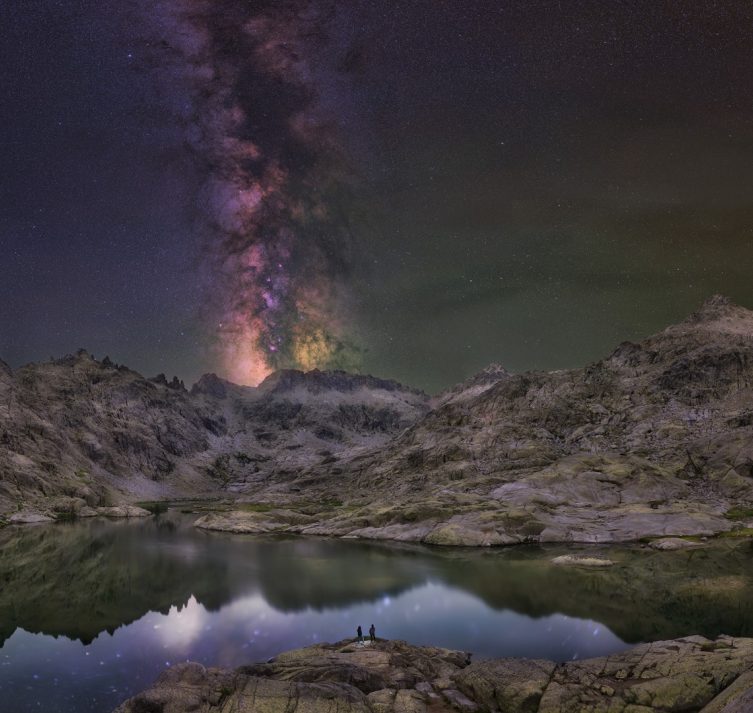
(690, 675)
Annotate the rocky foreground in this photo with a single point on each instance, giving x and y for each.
(690, 675)
(655, 440)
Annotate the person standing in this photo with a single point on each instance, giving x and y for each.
(372, 633)
(360, 634)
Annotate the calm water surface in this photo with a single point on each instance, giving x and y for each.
(91, 612)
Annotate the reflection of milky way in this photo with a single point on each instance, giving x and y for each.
(240, 78)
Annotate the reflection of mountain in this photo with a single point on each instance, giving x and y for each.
(87, 577)
(647, 596)
(83, 578)
(79, 579)
(320, 574)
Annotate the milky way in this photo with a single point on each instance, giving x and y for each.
(239, 77)
(411, 189)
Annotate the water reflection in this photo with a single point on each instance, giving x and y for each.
(37, 669)
(91, 611)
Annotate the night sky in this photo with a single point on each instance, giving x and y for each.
(413, 189)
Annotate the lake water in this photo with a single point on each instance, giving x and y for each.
(92, 611)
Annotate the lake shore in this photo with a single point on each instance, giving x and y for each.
(471, 524)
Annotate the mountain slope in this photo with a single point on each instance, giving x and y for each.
(78, 431)
(655, 439)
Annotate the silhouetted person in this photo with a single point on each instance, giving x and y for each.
(360, 634)
(372, 632)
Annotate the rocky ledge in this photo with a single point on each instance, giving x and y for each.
(690, 674)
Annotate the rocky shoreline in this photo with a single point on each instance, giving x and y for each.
(487, 527)
(675, 527)
(690, 675)
(34, 517)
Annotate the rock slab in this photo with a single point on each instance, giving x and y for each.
(690, 675)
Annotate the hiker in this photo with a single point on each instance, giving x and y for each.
(372, 632)
(360, 634)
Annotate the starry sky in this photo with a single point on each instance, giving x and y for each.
(410, 189)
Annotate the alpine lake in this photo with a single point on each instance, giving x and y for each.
(91, 611)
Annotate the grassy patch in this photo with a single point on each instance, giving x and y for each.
(314, 507)
(254, 507)
(156, 507)
(715, 646)
(653, 538)
(739, 513)
(531, 528)
(65, 516)
(740, 532)
(202, 507)
(419, 512)
(220, 469)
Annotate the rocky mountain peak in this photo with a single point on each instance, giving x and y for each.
(176, 384)
(211, 385)
(473, 386)
(714, 307)
(719, 314)
(718, 300)
(493, 371)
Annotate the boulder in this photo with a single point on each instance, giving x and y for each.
(506, 684)
(123, 511)
(673, 543)
(582, 561)
(28, 517)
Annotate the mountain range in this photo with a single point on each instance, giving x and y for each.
(656, 439)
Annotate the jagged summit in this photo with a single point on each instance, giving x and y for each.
(81, 355)
(473, 386)
(175, 383)
(718, 300)
(720, 307)
(718, 314)
(491, 373)
(316, 381)
(212, 385)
